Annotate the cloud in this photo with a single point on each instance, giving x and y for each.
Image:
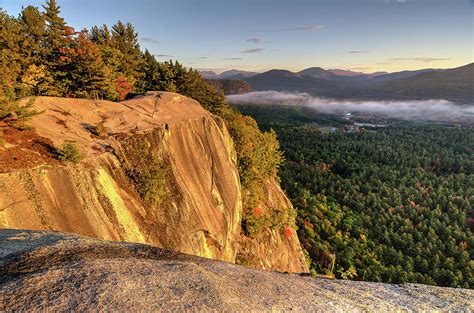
(233, 59)
(420, 59)
(255, 40)
(203, 58)
(149, 40)
(427, 110)
(255, 50)
(360, 51)
(163, 55)
(307, 27)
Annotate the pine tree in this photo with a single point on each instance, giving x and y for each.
(88, 70)
(32, 45)
(57, 45)
(33, 28)
(151, 73)
(10, 57)
(56, 26)
(125, 40)
(111, 61)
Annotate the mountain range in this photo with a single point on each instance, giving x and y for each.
(230, 74)
(451, 84)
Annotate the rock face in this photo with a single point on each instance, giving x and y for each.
(42, 270)
(273, 248)
(165, 143)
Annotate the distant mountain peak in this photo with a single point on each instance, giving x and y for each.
(339, 72)
(209, 74)
(232, 74)
(316, 72)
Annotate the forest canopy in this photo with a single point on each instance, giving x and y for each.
(390, 204)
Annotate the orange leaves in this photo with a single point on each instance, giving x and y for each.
(122, 87)
(79, 48)
(64, 59)
(69, 31)
(288, 232)
(308, 224)
(324, 167)
(257, 212)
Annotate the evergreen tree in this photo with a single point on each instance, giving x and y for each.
(10, 56)
(33, 41)
(125, 40)
(57, 44)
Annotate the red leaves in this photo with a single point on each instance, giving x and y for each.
(308, 224)
(288, 232)
(257, 212)
(79, 48)
(69, 31)
(64, 59)
(122, 87)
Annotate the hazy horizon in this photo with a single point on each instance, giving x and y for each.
(329, 69)
(362, 36)
(426, 110)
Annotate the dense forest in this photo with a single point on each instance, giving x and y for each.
(391, 204)
(41, 55)
(230, 86)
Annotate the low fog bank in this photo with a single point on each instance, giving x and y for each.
(427, 110)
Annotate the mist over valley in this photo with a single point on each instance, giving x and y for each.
(437, 110)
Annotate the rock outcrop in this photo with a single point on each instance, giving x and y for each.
(163, 143)
(273, 249)
(42, 270)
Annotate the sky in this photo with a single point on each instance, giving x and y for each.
(259, 35)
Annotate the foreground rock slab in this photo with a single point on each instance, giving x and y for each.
(41, 270)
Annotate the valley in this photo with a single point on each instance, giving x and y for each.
(390, 203)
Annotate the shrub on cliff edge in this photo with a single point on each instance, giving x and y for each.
(16, 115)
(69, 152)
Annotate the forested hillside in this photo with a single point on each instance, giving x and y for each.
(41, 55)
(391, 204)
(230, 86)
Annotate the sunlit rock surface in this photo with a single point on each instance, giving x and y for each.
(41, 270)
(200, 210)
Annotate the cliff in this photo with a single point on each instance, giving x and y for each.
(273, 248)
(157, 169)
(61, 272)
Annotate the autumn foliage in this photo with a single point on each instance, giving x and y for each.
(42, 55)
(257, 212)
(122, 87)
